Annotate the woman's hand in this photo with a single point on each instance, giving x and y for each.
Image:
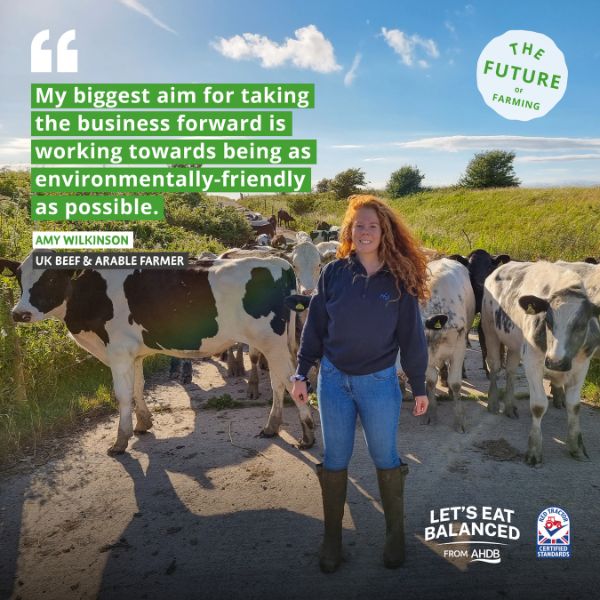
(421, 405)
(299, 392)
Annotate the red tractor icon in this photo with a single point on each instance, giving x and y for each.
(553, 523)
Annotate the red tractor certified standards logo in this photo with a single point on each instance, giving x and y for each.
(553, 533)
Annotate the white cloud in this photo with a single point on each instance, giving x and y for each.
(407, 46)
(351, 74)
(376, 159)
(456, 143)
(140, 8)
(348, 146)
(450, 27)
(557, 158)
(308, 50)
(14, 148)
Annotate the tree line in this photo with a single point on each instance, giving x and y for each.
(491, 169)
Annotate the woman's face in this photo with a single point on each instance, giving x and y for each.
(366, 232)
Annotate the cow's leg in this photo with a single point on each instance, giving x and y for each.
(263, 363)
(142, 414)
(239, 360)
(558, 395)
(572, 401)
(431, 377)
(174, 368)
(253, 379)
(122, 368)
(513, 358)
(186, 371)
(493, 362)
(483, 346)
(538, 403)
(235, 364)
(455, 383)
(444, 374)
(281, 367)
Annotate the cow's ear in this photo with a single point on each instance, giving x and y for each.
(436, 322)
(11, 265)
(297, 302)
(461, 259)
(533, 305)
(500, 259)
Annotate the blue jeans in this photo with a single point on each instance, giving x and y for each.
(376, 398)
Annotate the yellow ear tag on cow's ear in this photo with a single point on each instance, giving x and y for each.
(437, 325)
(530, 310)
(300, 307)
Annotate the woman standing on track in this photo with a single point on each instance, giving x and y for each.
(366, 308)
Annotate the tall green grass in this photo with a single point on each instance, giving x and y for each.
(528, 224)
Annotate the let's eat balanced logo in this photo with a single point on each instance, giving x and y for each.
(522, 75)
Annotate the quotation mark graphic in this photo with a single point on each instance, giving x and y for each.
(41, 58)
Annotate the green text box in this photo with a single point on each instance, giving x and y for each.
(97, 208)
(161, 123)
(179, 95)
(205, 152)
(118, 180)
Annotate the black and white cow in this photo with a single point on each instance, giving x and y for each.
(541, 312)
(590, 273)
(305, 259)
(480, 264)
(123, 316)
(447, 317)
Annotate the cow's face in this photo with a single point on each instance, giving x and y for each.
(561, 326)
(43, 292)
(306, 261)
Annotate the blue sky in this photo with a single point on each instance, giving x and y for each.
(395, 81)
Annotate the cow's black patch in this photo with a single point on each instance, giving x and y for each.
(176, 308)
(265, 295)
(582, 329)
(88, 305)
(503, 321)
(539, 333)
(50, 290)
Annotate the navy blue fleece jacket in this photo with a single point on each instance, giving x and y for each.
(358, 323)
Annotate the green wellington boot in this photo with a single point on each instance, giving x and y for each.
(333, 489)
(391, 487)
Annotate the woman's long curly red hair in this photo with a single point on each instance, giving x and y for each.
(399, 248)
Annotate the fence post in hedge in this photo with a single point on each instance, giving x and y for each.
(19, 375)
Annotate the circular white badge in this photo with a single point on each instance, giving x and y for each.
(522, 75)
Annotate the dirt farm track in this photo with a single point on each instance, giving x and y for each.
(200, 508)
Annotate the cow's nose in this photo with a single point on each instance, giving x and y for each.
(306, 292)
(563, 364)
(21, 317)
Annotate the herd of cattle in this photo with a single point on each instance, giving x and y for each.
(543, 314)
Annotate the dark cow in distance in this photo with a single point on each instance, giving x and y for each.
(480, 264)
(122, 316)
(267, 228)
(284, 217)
